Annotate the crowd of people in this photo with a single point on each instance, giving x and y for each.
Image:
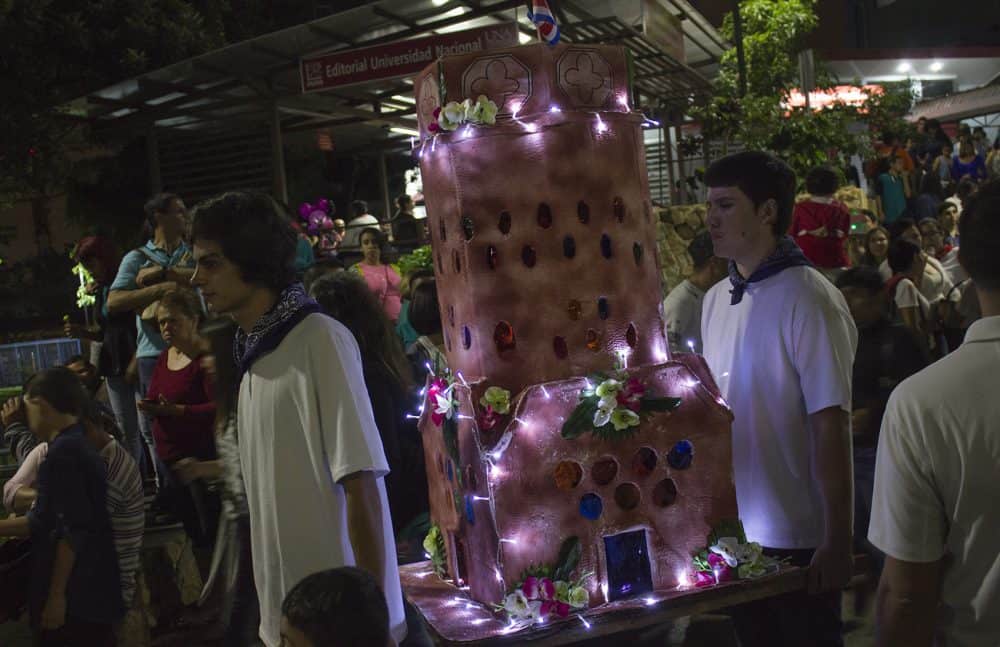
(263, 403)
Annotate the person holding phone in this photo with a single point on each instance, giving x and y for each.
(181, 401)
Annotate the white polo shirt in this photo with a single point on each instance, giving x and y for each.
(784, 352)
(936, 482)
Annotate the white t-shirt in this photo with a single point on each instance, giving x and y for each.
(952, 268)
(908, 296)
(352, 237)
(935, 285)
(305, 423)
(682, 317)
(784, 352)
(936, 479)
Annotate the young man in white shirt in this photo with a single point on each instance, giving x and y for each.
(934, 513)
(780, 340)
(682, 307)
(312, 460)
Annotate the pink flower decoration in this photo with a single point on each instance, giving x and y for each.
(530, 587)
(437, 112)
(720, 568)
(703, 578)
(562, 609)
(437, 388)
(547, 607)
(433, 127)
(546, 589)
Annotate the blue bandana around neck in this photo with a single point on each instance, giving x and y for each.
(786, 254)
(293, 306)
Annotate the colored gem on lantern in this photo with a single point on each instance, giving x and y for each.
(618, 207)
(583, 212)
(560, 348)
(504, 223)
(606, 246)
(528, 256)
(503, 337)
(544, 216)
(631, 336)
(591, 506)
(681, 455)
(574, 309)
(569, 247)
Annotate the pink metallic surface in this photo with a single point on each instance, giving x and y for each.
(514, 496)
(544, 275)
(545, 258)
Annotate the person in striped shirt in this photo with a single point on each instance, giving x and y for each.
(124, 499)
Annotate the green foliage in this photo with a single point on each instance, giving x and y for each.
(419, 259)
(727, 528)
(435, 547)
(774, 32)
(569, 557)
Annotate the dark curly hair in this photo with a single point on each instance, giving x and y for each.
(979, 229)
(341, 606)
(253, 233)
(761, 177)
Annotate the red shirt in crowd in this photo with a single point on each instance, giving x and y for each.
(824, 249)
(191, 435)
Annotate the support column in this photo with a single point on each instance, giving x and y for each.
(279, 186)
(383, 174)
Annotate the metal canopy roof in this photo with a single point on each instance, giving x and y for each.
(962, 105)
(248, 81)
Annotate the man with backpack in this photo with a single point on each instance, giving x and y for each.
(144, 276)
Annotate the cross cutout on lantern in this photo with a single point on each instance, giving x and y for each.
(584, 79)
(496, 85)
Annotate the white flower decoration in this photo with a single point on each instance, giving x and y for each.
(516, 604)
(443, 403)
(452, 116)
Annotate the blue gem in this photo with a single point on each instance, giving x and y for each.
(681, 455)
(591, 506)
(469, 512)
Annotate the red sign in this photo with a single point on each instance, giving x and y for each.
(401, 58)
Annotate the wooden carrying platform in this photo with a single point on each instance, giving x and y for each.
(455, 619)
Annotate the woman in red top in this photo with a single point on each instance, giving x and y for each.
(821, 225)
(181, 401)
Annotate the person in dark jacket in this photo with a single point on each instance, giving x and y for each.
(75, 596)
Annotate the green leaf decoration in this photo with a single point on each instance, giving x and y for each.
(727, 528)
(581, 420)
(569, 557)
(660, 404)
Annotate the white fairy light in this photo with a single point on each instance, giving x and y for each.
(586, 625)
(545, 393)
(429, 369)
(515, 108)
(623, 100)
(690, 344)
(604, 590)
(683, 579)
(479, 621)
(601, 127)
(495, 471)
(496, 572)
(461, 379)
(480, 498)
(412, 416)
(650, 601)
(504, 540)
(462, 416)
(554, 108)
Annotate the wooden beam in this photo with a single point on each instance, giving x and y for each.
(329, 33)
